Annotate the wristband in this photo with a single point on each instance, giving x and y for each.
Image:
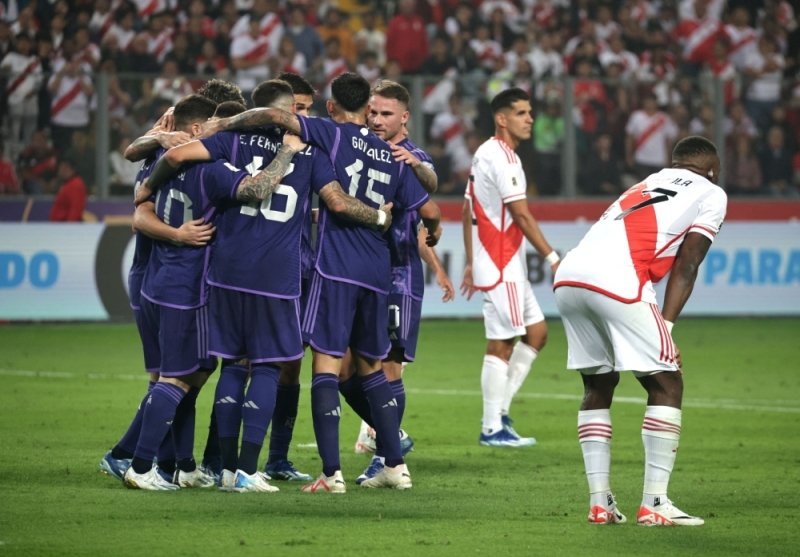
(381, 218)
(552, 258)
(669, 325)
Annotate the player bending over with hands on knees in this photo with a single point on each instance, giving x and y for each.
(604, 291)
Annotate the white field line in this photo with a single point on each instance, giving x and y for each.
(752, 405)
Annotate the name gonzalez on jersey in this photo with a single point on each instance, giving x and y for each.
(372, 152)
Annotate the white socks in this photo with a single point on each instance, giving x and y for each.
(661, 432)
(494, 377)
(594, 435)
(519, 365)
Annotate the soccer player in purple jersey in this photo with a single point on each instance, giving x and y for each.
(387, 116)
(193, 233)
(347, 305)
(174, 296)
(255, 269)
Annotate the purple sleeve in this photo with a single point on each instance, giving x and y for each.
(321, 133)
(221, 180)
(410, 193)
(221, 145)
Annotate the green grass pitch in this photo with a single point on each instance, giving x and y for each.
(68, 392)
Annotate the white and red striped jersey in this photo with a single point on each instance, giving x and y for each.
(742, 41)
(24, 76)
(488, 52)
(451, 128)
(270, 25)
(333, 68)
(634, 244)
(498, 244)
(252, 50)
(70, 103)
(124, 37)
(652, 134)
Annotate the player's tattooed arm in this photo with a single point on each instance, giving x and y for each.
(253, 118)
(350, 208)
(423, 171)
(262, 185)
(144, 146)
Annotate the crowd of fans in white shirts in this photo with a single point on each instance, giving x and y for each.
(641, 74)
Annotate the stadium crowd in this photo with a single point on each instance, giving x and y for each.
(641, 74)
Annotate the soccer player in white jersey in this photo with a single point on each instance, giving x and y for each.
(496, 223)
(604, 290)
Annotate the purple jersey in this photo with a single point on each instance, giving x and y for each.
(258, 248)
(175, 275)
(367, 171)
(144, 244)
(407, 275)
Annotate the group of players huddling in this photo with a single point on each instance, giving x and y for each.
(258, 293)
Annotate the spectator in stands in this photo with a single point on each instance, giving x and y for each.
(742, 37)
(333, 64)
(289, 59)
(5, 38)
(451, 127)
(548, 137)
(123, 172)
(764, 69)
(335, 26)
(407, 38)
(703, 123)
(24, 77)
(370, 38)
(600, 173)
(249, 55)
(737, 122)
(70, 200)
(170, 84)
(306, 39)
(71, 90)
(500, 30)
(651, 134)
(440, 59)
(776, 164)
(82, 155)
(463, 20)
(546, 61)
(86, 51)
(270, 27)
(9, 184)
(183, 57)
(37, 164)
(368, 66)
(742, 167)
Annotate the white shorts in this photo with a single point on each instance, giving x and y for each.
(606, 335)
(508, 309)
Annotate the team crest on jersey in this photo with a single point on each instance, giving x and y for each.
(513, 181)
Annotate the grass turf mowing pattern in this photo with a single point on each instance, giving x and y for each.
(70, 390)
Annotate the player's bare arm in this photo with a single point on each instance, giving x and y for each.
(253, 118)
(144, 146)
(684, 273)
(167, 167)
(350, 208)
(530, 228)
(431, 259)
(431, 216)
(262, 185)
(424, 173)
(191, 233)
(467, 285)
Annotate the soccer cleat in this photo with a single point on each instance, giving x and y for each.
(366, 440)
(212, 467)
(284, 470)
(196, 478)
(609, 514)
(396, 477)
(326, 484)
(666, 514)
(375, 466)
(209, 471)
(114, 466)
(226, 480)
(508, 425)
(252, 483)
(149, 481)
(406, 443)
(503, 438)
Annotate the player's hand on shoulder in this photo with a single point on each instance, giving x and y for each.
(293, 142)
(168, 140)
(142, 192)
(195, 233)
(401, 154)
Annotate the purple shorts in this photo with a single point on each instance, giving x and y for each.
(341, 315)
(182, 338)
(259, 328)
(149, 337)
(404, 315)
